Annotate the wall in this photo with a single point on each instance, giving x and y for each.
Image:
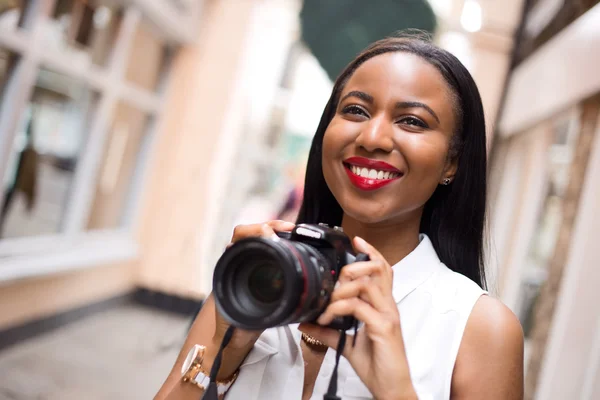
(572, 354)
(559, 74)
(30, 299)
(202, 84)
(33, 298)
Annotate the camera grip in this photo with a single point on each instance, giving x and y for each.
(362, 257)
(284, 235)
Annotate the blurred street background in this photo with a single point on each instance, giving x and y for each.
(135, 134)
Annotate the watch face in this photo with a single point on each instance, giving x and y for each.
(190, 358)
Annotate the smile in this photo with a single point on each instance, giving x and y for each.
(367, 174)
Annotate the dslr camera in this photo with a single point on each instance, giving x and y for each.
(259, 283)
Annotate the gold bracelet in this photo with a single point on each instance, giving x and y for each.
(227, 381)
(313, 343)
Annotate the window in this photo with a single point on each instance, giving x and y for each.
(85, 98)
(147, 58)
(560, 156)
(7, 63)
(126, 135)
(12, 13)
(45, 152)
(84, 29)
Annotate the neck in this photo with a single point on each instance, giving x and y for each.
(393, 240)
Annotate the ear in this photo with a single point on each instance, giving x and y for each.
(449, 171)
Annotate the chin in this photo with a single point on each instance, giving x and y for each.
(366, 215)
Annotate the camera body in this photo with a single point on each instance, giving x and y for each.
(261, 283)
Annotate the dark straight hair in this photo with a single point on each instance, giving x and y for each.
(454, 216)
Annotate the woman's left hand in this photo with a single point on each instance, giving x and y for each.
(378, 357)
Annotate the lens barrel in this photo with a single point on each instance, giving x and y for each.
(261, 283)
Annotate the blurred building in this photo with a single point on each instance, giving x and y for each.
(544, 197)
(134, 134)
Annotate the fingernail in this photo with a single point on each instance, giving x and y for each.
(359, 240)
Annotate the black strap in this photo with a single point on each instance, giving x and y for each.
(211, 392)
(332, 390)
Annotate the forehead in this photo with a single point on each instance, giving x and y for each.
(400, 75)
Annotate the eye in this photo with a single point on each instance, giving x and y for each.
(413, 121)
(355, 110)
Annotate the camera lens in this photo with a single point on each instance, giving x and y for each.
(265, 282)
(260, 283)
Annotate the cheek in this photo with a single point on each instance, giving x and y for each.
(328, 157)
(335, 139)
(426, 157)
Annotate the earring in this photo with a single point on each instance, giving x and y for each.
(446, 181)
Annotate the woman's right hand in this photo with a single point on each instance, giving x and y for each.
(209, 329)
(241, 338)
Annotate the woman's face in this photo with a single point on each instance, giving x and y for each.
(386, 149)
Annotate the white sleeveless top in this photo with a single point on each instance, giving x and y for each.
(434, 304)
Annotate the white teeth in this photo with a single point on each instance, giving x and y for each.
(372, 173)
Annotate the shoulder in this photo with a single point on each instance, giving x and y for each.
(490, 358)
(492, 317)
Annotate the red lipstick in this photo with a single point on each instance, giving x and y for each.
(367, 174)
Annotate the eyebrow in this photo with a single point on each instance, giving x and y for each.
(361, 95)
(401, 104)
(416, 104)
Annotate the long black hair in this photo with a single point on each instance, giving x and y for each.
(454, 216)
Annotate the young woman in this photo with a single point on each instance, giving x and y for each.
(399, 161)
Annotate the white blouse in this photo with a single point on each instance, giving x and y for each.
(434, 304)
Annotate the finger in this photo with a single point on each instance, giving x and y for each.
(357, 270)
(281, 226)
(362, 246)
(365, 290)
(267, 232)
(243, 231)
(374, 320)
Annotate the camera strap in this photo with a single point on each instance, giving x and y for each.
(211, 392)
(333, 381)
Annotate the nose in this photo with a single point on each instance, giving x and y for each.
(376, 135)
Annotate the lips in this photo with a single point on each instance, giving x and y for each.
(368, 174)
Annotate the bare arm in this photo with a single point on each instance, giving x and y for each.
(203, 332)
(209, 329)
(490, 359)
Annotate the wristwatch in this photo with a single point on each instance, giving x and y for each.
(192, 371)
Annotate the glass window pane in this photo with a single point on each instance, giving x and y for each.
(123, 144)
(146, 59)
(7, 62)
(86, 30)
(541, 248)
(38, 180)
(12, 13)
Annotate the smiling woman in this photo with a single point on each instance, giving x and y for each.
(399, 162)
